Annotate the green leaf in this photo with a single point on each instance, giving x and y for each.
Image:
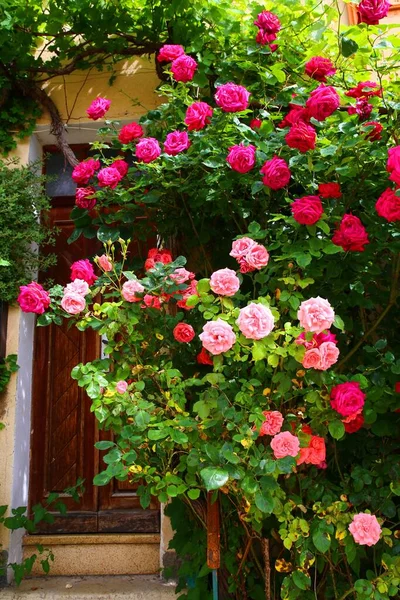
(301, 580)
(264, 502)
(321, 540)
(214, 477)
(338, 323)
(259, 351)
(104, 445)
(336, 429)
(179, 437)
(193, 493)
(348, 46)
(203, 286)
(101, 478)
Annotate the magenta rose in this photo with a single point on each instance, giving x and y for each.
(371, 11)
(285, 444)
(183, 68)
(224, 282)
(73, 303)
(315, 314)
(33, 298)
(320, 68)
(301, 136)
(373, 131)
(273, 422)
(307, 210)
(362, 108)
(170, 52)
(265, 39)
(198, 115)
(241, 247)
(121, 166)
(130, 132)
(104, 263)
(316, 340)
(393, 162)
(130, 289)
(232, 98)
(85, 197)
(109, 177)
(351, 234)
(147, 150)
(347, 398)
(268, 21)
(98, 108)
(78, 286)
(255, 321)
(176, 142)
(217, 336)
(276, 173)
(85, 170)
(365, 529)
(322, 102)
(242, 158)
(121, 386)
(83, 269)
(183, 333)
(388, 206)
(364, 89)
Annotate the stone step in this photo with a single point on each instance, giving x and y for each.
(137, 587)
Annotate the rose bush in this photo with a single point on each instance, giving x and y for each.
(267, 369)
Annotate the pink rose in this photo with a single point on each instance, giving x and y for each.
(307, 210)
(312, 359)
(181, 275)
(320, 68)
(276, 173)
(351, 234)
(150, 301)
(109, 177)
(85, 170)
(98, 108)
(85, 197)
(241, 247)
(301, 136)
(371, 11)
(373, 134)
(347, 398)
(322, 102)
(322, 357)
(217, 336)
(130, 132)
(183, 68)
(393, 163)
(242, 158)
(296, 114)
(147, 150)
(268, 22)
(257, 257)
(315, 314)
(105, 263)
(73, 303)
(78, 286)
(362, 108)
(224, 282)
(33, 298)
(232, 98)
(121, 166)
(170, 52)
(121, 387)
(198, 115)
(329, 190)
(183, 333)
(314, 453)
(176, 142)
(273, 422)
(364, 89)
(83, 269)
(130, 289)
(388, 206)
(285, 444)
(255, 321)
(365, 529)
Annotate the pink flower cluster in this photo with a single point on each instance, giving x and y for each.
(272, 424)
(176, 142)
(321, 351)
(285, 444)
(183, 67)
(250, 255)
(82, 276)
(268, 26)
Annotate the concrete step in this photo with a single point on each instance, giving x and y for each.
(137, 587)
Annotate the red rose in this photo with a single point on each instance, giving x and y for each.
(393, 164)
(362, 108)
(322, 102)
(85, 198)
(374, 134)
(371, 11)
(307, 210)
(397, 387)
(130, 132)
(255, 123)
(276, 173)
(319, 68)
(347, 398)
(351, 234)
(242, 158)
(204, 357)
(301, 136)
(198, 115)
(364, 89)
(355, 424)
(85, 170)
(121, 166)
(388, 205)
(296, 113)
(329, 190)
(183, 68)
(184, 333)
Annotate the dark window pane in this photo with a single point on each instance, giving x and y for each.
(58, 173)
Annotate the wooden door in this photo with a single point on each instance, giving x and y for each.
(64, 430)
